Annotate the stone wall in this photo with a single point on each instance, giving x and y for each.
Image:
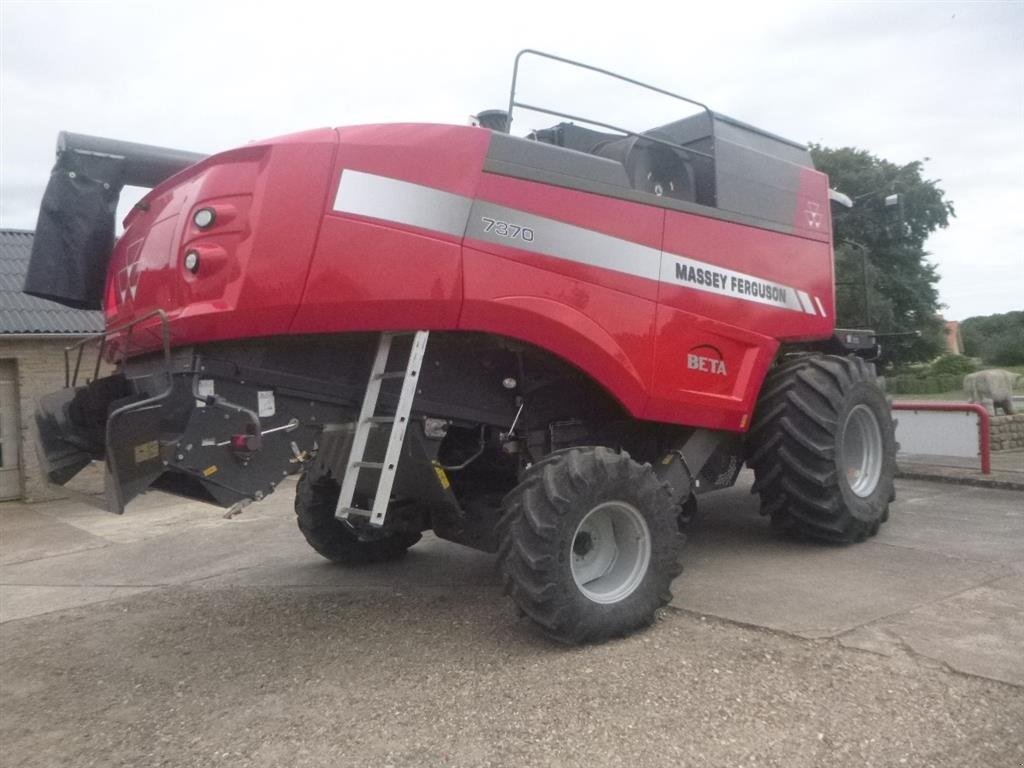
(40, 370)
(1007, 432)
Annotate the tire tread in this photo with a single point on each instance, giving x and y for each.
(792, 449)
(536, 519)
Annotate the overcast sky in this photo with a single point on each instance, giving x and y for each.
(903, 80)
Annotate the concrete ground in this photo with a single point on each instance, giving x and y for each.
(173, 637)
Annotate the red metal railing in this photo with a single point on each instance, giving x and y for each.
(984, 422)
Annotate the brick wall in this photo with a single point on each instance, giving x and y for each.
(40, 370)
(1007, 432)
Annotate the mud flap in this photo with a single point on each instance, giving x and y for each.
(133, 455)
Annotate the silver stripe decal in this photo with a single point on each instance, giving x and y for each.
(378, 197)
(821, 307)
(805, 302)
(560, 240)
(711, 278)
(415, 205)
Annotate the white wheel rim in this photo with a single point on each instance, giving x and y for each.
(611, 552)
(861, 451)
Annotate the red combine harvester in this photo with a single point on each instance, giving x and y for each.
(545, 347)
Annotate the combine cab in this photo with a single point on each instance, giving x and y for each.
(546, 347)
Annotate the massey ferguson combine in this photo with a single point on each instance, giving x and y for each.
(545, 347)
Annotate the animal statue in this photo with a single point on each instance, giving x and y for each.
(991, 388)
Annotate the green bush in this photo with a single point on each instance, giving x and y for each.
(913, 384)
(1006, 348)
(955, 365)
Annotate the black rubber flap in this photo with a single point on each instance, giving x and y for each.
(74, 236)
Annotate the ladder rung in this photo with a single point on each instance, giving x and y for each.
(346, 511)
(381, 419)
(391, 375)
(367, 464)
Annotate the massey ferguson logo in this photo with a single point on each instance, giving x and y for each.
(706, 359)
(128, 275)
(813, 211)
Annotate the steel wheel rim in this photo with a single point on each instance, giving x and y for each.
(861, 451)
(611, 552)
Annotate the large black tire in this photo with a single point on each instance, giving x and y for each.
(804, 449)
(540, 534)
(315, 502)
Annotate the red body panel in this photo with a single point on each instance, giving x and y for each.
(604, 332)
(269, 199)
(296, 250)
(601, 321)
(369, 276)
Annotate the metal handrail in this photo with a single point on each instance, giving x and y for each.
(512, 103)
(71, 379)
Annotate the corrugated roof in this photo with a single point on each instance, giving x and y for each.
(27, 314)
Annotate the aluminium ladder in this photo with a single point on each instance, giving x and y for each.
(368, 417)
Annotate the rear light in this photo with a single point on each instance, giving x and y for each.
(207, 255)
(204, 218)
(218, 215)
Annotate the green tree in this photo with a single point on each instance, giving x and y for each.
(886, 244)
(996, 339)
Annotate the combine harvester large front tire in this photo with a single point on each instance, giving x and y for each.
(589, 544)
(823, 449)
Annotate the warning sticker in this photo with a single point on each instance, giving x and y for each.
(442, 476)
(265, 403)
(204, 388)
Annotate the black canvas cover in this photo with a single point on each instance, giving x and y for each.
(74, 236)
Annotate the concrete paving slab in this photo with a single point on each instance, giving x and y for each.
(28, 533)
(432, 563)
(176, 557)
(820, 594)
(156, 514)
(737, 569)
(17, 602)
(962, 522)
(182, 542)
(978, 632)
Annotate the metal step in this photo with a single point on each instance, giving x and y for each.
(345, 513)
(367, 464)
